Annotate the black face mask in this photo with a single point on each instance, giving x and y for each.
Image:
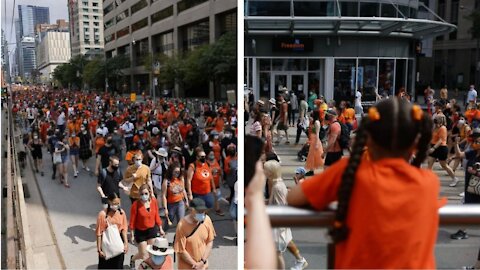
(109, 141)
(202, 159)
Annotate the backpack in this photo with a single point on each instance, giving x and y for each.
(344, 138)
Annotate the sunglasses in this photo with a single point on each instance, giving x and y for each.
(155, 248)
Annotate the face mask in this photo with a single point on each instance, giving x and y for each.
(138, 163)
(158, 260)
(202, 159)
(461, 122)
(84, 132)
(114, 167)
(103, 125)
(73, 135)
(84, 122)
(114, 207)
(215, 137)
(211, 158)
(200, 217)
(228, 135)
(35, 137)
(176, 174)
(144, 197)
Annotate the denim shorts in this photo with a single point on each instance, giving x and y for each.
(207, 198)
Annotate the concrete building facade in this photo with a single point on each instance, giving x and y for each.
(443, 67)
(86, 27)
(138, 28)
(52, 48)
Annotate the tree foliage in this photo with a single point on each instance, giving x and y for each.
(475, 29)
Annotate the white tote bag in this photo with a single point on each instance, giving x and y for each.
(112, 244)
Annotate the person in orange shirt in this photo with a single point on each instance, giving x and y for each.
(74, 143)
(200, 183)
(438, 148)
(184, 128)
(99, 141)
(174, 193)
(219, 123)
(159, 256)
(215, 145)
(401, 198)
(217, 176)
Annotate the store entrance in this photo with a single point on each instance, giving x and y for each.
(293, 81)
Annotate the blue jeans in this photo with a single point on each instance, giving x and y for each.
(176, 209)
(207, 198)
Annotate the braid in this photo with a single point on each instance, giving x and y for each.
(425, 131)
(340, 231)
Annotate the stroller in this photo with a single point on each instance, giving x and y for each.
(303, 153)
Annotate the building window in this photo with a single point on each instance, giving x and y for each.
(162, 14)
(404, 10)
(122, 15)
(385, 77)
(85, 4)
(140, 50)
(349, 9)
(139, 5)
(109, 23)
(186, 4)
(123, 32)
(344, 79)
(307, 8)
(85, 10)
(454, 12)
(163, 43)
(86, 23)
(109, 8)
(369, 9)
(367, 79)
(400, 75)
(270, 8)
(441, 9)
(97, 23)
(85, 17)
(196, 35)
(140, 24)
(389, 10)
(95, 4)
(96, 30)
(109, 38)
(265, 64)
(264, 84)
(118, 2)
(95, 17)
(228, 23)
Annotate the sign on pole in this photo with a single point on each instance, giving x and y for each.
(133, 97)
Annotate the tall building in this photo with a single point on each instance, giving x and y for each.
(5, 58)
(335, 48)
(86, 27)
(443, 66)
(138, 28)
(52, 48)
(28, 17)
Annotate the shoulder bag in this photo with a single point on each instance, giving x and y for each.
(112, 244)
(474, 185)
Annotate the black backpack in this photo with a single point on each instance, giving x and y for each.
(344, 138)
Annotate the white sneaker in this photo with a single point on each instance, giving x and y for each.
(87, 169)
(462, 194)
(454, 182)
(300, 264)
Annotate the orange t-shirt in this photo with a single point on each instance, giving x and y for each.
(143, 219)
(184, 129)
(216, 172)
(74, 142)
(217, 150)
(201, 180)
(175, 190)
(392, 216)
(440, 134)
(99, 142)
(117, 219)
(219, 124)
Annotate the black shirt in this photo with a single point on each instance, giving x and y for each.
(105, 153)
(111, 125)
(110, 182)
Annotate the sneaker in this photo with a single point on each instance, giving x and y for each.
(454, 182)
(75, 174)
(87, 169)
(41, 173)
(300, 264)
(462, 194)
(470, 267)
(459, 235)
(132, 263)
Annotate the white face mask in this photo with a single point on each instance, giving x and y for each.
(138, 163)
(461, 122)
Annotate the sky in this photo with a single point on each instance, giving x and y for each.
(58, 10)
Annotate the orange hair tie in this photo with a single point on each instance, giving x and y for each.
(337, 224)
(373, 114)
(417, 113)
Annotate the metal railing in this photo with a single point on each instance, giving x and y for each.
(287, 216)
(19, 248)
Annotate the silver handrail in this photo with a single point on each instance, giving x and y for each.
(287, 216)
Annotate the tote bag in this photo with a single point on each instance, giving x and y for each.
(57, 158)
(474, 185)
(112, 244)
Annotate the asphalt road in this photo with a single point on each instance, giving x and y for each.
(450, 254)
(69, 223)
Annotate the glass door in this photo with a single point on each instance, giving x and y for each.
(297, 84)
(280, 81)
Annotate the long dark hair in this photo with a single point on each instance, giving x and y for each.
(398, 128)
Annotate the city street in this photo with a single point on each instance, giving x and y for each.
(63, 233)
(450, 254)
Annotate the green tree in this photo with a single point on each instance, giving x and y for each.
(94, 73)
(220, 60)
(113, 68)
(65, 74)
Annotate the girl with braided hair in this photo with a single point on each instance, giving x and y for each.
(387, 215)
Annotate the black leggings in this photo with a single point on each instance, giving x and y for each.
(54, 166)
(299, 132)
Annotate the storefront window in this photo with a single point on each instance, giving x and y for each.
(367, 78)
(265, 64)
(195, 35)
(269, 8)
(369, 9)
(344, 79)
(410, 77)
(385, 77)
(250, 74)
(264, 85)
(313, 64)
(405, 11)
(289, 64)
(400, 75)
(314, 82)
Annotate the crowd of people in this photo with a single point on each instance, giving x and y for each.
(390, 140)
(170, 156)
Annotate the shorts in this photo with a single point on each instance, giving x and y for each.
(37, 155)
(282, 126)
(441, 153)
(144, 235)
(332, 157)
(207, 198)
(74, 151)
